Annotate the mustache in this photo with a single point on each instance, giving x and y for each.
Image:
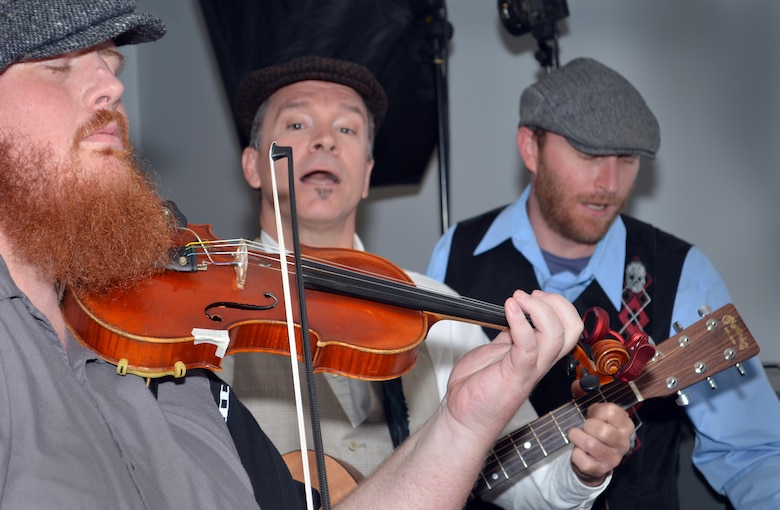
(600, 198)
(98, 121)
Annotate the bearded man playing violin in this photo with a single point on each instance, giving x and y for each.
(78, 216)
(328, 110)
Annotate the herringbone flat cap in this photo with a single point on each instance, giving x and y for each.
(596, 109)
(35, 29)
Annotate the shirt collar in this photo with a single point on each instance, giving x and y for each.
(270, 242)
(513, 223)
(77, 354)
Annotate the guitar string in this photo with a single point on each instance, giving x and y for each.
(535, 435)
(704, 350)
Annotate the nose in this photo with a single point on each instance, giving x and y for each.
(607, 174)
(323, 140)
(106, 88)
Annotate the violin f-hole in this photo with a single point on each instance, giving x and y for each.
(239, 306)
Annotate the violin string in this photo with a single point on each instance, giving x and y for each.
(264, 252)
(359, 277)
(405, 289)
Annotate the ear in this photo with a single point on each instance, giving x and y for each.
(367, 179)
(528, 148)
(249, 165)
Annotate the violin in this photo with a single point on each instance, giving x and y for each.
(366, 317)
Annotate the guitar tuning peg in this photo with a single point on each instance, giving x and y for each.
(731, 354)
(677, 326)
(712, 384)
(705, 310)
(682, 399)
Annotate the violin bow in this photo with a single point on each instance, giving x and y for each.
(275, 153)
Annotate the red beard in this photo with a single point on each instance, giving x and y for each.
(557, 203)
(91, 229)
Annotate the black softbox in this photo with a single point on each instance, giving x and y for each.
(393, 38)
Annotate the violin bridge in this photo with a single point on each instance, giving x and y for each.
(241, 259)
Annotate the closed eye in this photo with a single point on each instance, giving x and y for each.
(114, 59)
(57, 68)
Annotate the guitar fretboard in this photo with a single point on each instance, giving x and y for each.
(516, 452)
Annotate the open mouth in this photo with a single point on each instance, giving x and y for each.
(320, 178)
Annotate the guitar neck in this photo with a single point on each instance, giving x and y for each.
(523, 448)
(718, 341)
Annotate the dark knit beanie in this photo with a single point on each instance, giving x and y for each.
(259, 85)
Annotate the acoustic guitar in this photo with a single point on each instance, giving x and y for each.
(342, 478)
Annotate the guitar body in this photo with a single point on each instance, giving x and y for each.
(342, 478)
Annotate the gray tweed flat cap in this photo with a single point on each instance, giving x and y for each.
(34, 29)
(597, 110)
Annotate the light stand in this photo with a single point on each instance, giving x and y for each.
(440, 32)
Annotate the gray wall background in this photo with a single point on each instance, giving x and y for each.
(708, 68)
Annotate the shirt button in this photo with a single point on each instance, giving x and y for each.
(352, 445)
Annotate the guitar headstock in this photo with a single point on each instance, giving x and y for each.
(718, 341)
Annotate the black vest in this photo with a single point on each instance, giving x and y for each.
(271, 480)
(648, 479)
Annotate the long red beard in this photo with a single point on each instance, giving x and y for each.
(89, 229)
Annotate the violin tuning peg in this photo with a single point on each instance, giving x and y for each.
(589, 382)
(571, 365)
